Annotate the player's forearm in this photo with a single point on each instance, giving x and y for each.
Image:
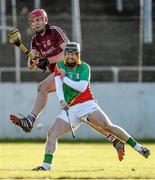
(77, 85)
(56, 58)
(59, 88)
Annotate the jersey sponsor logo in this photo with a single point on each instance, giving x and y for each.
(49, 51)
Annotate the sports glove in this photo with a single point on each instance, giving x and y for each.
(42, 64)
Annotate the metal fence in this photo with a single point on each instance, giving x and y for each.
(114, 69)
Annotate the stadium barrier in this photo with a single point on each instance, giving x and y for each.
(130, 105)
(114, 69)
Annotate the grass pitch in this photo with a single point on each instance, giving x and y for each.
(75, 161)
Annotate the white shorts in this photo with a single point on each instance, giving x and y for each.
(78, 113)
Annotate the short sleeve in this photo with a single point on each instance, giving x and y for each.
(60, 35)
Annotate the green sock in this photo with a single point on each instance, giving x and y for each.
(48, 158)
(131, 142)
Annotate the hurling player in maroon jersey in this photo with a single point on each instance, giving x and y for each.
(47, 46)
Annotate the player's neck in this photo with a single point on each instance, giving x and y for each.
(72, 67)
(42, 34)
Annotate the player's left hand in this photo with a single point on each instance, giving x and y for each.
(62, 73)
(42, 64)
(63, 104)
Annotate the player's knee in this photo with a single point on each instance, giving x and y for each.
(108, 127)
(52, 134)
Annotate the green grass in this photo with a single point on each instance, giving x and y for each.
(74, 160)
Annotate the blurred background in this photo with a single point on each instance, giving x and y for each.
(117, 39)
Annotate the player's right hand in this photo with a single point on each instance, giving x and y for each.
(31, 65)
(64, 104)
(42, 64)
(62, 73)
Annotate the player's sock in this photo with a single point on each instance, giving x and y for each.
(47, 161)
(133, 143)
(48, 158)
(32, 116)
(111, 138)
(138, 147)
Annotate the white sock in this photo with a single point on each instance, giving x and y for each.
(46, 165)
(138, 147)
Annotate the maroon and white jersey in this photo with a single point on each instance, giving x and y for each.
(48, 45)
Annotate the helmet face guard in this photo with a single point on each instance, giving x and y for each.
(72, 47)
(37, 13)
